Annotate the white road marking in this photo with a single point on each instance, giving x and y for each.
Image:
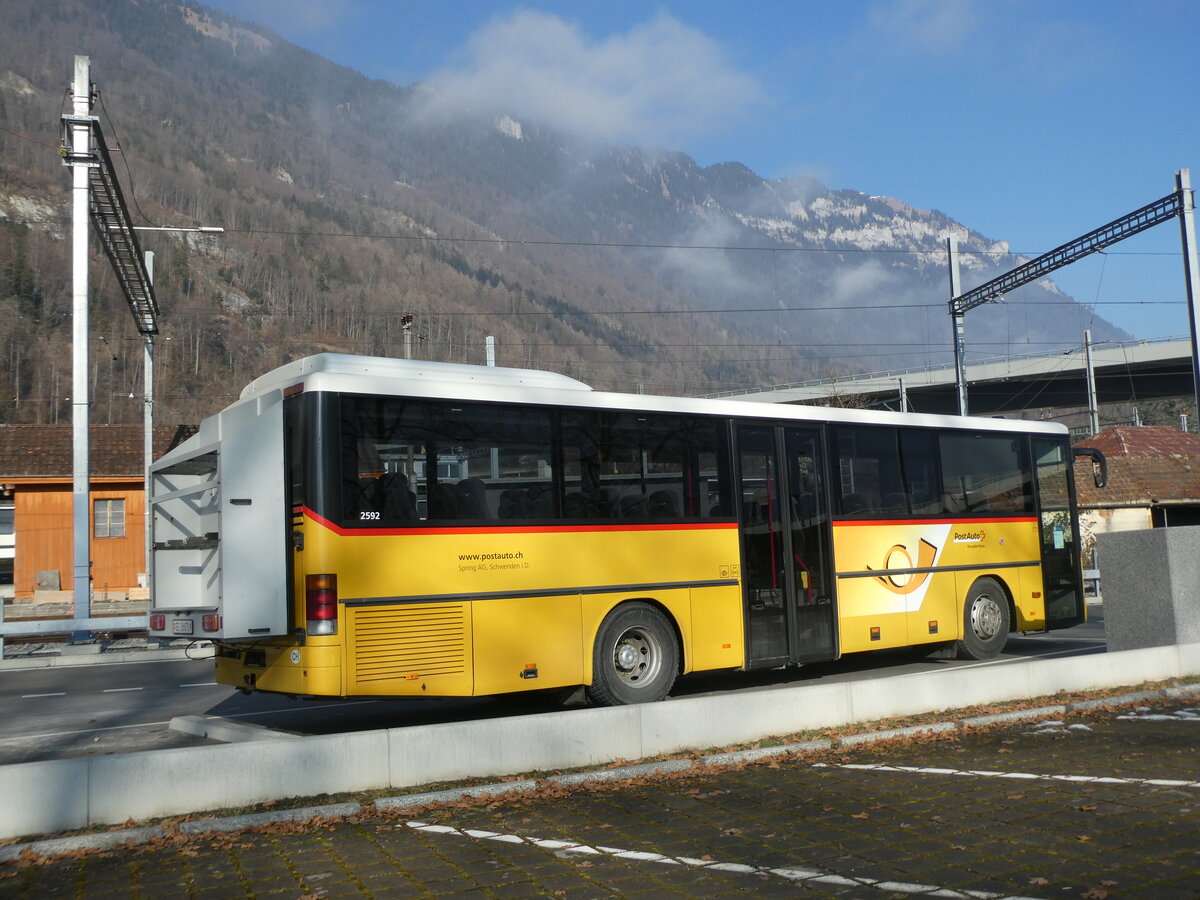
(120, 690)
(1144, 714)
(200, 684)
(35, 696)
(567, 849)
(1019, 776)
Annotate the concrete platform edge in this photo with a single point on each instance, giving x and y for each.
(61, 795)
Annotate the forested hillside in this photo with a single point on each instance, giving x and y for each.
(349, 203)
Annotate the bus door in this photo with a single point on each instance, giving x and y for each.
(786, 560)
(1060, 549)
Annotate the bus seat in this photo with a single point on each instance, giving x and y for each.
(514, 504)
(443, 502)
(633, 506)
(394, 499)
(472, 497)
(663, 505)
(541, 501)
(606, 503)
(576, 506)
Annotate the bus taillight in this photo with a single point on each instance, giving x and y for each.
(158, 622)
(320, 603)
(210, 622)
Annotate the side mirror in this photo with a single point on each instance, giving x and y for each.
(1099, 464)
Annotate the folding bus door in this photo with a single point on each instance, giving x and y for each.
(815, 634)
(785, 533)
(1060, 549)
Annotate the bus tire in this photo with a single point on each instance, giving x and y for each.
(636, 657)
(986, 621)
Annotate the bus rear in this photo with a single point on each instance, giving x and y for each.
(219, 536)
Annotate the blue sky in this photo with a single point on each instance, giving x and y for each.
(1031, 121)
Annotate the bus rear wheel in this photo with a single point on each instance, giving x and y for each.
(635, 659)
(986, 621)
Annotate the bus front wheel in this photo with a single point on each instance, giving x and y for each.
(986, 621)
(636, 657)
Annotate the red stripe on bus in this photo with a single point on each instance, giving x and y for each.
(844, 523)
(523, 529)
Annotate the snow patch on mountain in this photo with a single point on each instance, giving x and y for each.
(509, 127)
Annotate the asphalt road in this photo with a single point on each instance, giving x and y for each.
(64, 712)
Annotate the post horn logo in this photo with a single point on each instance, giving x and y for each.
(897, 557)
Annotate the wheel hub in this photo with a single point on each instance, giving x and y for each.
(627, 657)
(985, 618)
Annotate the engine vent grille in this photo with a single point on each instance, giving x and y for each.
(409, 641)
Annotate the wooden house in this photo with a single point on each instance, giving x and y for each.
(36, 484)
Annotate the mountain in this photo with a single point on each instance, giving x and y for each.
(350, 203)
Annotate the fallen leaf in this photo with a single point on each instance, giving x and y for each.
(1095, 894)
(1039, 880)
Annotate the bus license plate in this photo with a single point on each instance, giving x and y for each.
(181, 626)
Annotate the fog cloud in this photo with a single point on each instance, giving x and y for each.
(661, 82)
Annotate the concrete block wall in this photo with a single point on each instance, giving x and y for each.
(46, 797)
(1151, 583)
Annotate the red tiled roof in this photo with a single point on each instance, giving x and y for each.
(45, 451)
(1147, 464)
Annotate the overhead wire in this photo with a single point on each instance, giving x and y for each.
(626, 245)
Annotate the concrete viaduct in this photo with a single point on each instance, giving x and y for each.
(1125, 373)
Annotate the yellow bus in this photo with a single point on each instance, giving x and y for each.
(376, 527)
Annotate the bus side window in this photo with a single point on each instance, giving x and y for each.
(985, 473)
(869, 479)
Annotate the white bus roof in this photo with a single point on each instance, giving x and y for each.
(457, 381)
(404, 371)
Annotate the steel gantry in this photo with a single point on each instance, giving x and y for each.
(96, 195)
(1178, 204)
(110, 217)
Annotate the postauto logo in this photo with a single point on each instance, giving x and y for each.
(903, 576)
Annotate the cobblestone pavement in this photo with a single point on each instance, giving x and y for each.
(1103, 805)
